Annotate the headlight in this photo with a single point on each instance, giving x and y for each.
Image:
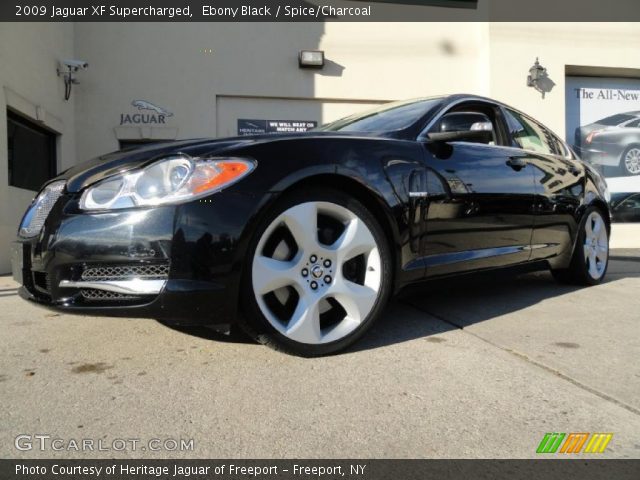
(174, 179)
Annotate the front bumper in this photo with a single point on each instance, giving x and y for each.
(179, 264)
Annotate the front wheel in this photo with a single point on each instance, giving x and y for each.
(319, 274)
(591, 255)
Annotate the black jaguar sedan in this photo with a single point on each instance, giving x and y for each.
(301, 239)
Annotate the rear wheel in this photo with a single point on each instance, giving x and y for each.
(591, 255)
(630, 160)
(319, 274)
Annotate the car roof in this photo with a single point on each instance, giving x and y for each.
(457, 97)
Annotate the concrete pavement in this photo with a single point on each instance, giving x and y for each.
(625, 235)
(480, 367)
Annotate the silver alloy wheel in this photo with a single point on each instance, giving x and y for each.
(315, 272)
(596, 245)
(632, 161)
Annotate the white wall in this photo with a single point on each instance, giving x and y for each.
(165, 64)
(28, 61)
(515, 46)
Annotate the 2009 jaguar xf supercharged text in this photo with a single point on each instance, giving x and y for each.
(301, 239)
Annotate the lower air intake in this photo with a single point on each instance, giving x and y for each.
(125, 272)
(100, 295)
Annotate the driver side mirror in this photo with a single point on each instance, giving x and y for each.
(462, 127)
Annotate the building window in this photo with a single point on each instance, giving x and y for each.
(32, 153)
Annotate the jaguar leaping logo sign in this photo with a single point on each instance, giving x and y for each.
(144, 105)
(158, 116)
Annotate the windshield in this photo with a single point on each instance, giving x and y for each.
(389, 117)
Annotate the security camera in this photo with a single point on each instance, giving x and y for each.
(75, 65)
(67, 69)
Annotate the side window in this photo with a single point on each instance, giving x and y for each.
(559, 146)
(460, 121)
(634, 124)
(467, 120)
(529, 135)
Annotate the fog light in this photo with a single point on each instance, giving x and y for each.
(311, 59)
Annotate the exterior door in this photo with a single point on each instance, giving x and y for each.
(559, 183)
(480, 205)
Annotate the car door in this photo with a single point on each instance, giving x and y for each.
(559, 184)
(480, 198)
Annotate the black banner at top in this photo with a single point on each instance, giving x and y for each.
(318, 10)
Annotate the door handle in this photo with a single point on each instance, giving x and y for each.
(418, 194)
(517, 163)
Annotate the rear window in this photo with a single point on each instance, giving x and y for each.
(615, 119)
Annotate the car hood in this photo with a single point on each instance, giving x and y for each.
(96, 169)
(99, 168)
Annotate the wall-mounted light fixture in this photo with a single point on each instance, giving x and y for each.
(311, 59)
(539, 79)
(536, 73)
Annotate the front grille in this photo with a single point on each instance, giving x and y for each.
(126, 272)
(96, 295)
(40, 208)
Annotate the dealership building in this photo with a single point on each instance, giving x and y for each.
(149, 82)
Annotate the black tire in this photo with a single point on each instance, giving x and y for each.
(254, 322)
(578, 272)
(623, 167)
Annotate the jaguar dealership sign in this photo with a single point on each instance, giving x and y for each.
(603, 126)
(257, 127)
(148, 113)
